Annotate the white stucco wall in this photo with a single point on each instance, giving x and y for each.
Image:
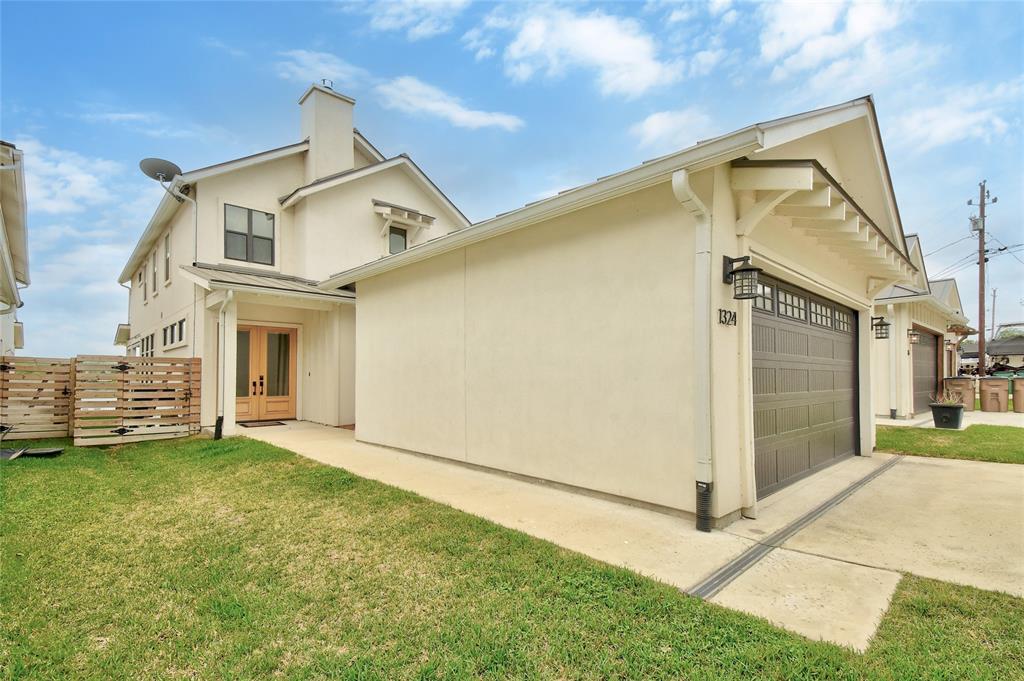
(559, 351)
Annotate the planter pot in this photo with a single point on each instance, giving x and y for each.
(948, 415)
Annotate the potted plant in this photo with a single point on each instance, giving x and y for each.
(947, 410)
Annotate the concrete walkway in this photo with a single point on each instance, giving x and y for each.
(832, 581)
(988, 418)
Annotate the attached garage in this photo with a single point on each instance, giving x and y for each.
(926, 369)
(599, 340)
(804, 356)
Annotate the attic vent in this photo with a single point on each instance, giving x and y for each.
(327, 83)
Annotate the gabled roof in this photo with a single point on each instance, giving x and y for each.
(215, 277)
(168, 206)
(704, 154)
(401, 161)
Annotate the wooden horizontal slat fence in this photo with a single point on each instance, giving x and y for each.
(99, 400)
(128, 399)
(35, 396)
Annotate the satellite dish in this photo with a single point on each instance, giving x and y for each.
(159, 169)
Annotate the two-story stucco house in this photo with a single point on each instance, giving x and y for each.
(13, 246)
(227, 267)
(598, 339)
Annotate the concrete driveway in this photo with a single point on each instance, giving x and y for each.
(959, 521)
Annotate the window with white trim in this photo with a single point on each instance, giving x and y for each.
(174, 334)
(148, 345)
(398, 240)
(167, 257)
(142, 283)
(248, 235)
(154, 272)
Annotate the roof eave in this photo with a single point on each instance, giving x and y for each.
(698, 157)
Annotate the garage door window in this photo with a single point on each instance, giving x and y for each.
(765, 299)
(792, 305)
(821, 315)
(843, 321)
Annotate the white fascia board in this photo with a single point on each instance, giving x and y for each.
(9, 294)
(399, 161)
(924, 298)
(344, 178)
(366, 147)
(164, 210)
(701, 156)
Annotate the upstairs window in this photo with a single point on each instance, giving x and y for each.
(154, 272)
(398, 240)
(248, 235)
(167, 257)
(142, 282)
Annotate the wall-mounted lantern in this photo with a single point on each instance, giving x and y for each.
(951, 345)
(914, 336)
(881, 327)
(742, 278)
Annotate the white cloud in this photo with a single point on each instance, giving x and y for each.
(309, 66)
(418, 18)
(550, 41)
(672, 130)
(965, 113)
(216, 44)
(788, 25)
(157, 125)
(61, 181)
(413, 96)
(703, 62)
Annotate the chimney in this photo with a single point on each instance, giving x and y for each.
(327, 123)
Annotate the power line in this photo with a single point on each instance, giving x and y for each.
(1009, 249)
(952, 243)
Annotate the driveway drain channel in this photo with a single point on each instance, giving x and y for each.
(724, 575)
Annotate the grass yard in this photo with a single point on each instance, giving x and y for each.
(235, 559)
(1001, 444)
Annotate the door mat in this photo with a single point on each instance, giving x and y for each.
(261, 424)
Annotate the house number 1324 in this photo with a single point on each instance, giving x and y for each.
(727, 317)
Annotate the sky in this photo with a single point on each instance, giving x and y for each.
(501, 104)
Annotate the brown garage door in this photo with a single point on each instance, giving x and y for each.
(805, 384)
(926, 370)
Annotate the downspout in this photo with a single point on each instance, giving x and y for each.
(895, 371)
(702, 269)
(218, 429)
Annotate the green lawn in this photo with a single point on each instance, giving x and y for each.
(235, 559)
(1002, 444)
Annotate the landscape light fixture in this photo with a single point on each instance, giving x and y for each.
(914, 336)
(742, 278)
(881, 327)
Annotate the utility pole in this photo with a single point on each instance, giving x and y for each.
(983, 200)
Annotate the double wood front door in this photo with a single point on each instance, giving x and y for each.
(265, 373)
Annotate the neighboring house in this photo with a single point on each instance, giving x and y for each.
(589, 339)
(906, 375)
(13, 246)
(227, 268)
(1009, 351)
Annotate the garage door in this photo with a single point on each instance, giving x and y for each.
(804, 383)
(926, 370)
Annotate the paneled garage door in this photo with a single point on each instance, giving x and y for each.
(926, 370)
(805, 384)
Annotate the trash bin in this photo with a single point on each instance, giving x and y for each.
(994, 393)
(1018, 401)
(963, 388)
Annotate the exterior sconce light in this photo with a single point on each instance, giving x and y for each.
(742, 278)
(881, 327)
(914, 336)
(951, 345)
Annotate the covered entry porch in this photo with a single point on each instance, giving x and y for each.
(283, 349)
